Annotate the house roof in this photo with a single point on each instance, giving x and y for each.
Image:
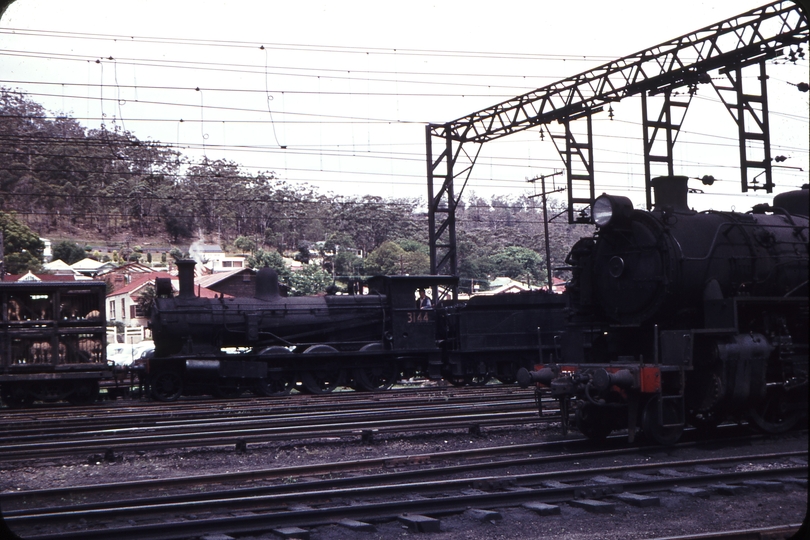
(205, 248)
(132, 267)
(213, 279)
(87, 264)
(39, 277)
(58, 264)
(139, 281)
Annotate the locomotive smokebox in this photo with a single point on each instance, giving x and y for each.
(670, 191)
(185, 274)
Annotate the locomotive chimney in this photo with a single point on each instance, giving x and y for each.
(185, 274)
(670, 191)
(267, 284)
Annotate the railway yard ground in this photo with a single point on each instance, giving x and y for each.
(512, 478)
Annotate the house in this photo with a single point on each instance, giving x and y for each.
(91, 267)
(213, 259)
(505, 285)
(47, 252)
(122, 304)
(236, 282)
(42, 277)
(61, 268)
(121, 276)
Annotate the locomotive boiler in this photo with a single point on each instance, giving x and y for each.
(684, 317)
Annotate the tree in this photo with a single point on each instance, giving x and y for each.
(146, 300)
(269, 259)
(391, 259)
(518, 263)
(244, 244)
(68, 252)
(308, 281)
(347, 263)
(22, 248)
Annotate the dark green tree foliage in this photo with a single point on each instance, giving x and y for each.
(68, 252)
(270, 259)
(391, 259)
(311, 279)
(518, 263)
(244, 244)
(485, 229)
(21, 247)
(60, 177)
(147, 299)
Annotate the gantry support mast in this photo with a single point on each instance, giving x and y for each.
(727, 47)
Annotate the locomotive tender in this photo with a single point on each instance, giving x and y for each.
(684, 317)
(270, 343)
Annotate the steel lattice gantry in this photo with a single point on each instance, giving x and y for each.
(727, 47)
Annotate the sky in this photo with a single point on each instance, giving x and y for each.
(336, 95)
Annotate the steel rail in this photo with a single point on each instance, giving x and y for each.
(231, 436)
(448, 503)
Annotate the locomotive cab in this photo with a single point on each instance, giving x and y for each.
(414, 330)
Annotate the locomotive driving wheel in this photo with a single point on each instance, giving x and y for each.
(326, 377)
(773, 414)
(167, 386)
(277, 383)
(376, 377)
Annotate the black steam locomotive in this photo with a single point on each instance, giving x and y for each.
(270, 343)
(679, 317)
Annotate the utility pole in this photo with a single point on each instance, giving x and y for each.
(545, 194)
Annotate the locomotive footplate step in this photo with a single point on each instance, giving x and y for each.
(591, 505)
(417, 523)
(542, 508)
(292, 532)
(355, 525)
(642, 501)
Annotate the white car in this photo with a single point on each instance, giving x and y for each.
(123, 354)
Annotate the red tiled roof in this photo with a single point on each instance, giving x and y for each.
(139, 281)
(41, 277)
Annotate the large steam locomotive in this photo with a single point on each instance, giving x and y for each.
(679, 317)
(271, 343)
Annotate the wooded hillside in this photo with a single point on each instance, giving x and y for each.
(67, 182)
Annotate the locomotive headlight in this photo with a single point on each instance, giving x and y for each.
(611, 209)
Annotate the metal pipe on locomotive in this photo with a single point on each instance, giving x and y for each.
(681, 317)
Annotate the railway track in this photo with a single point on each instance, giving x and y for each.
(397, 488)
(257, 421)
